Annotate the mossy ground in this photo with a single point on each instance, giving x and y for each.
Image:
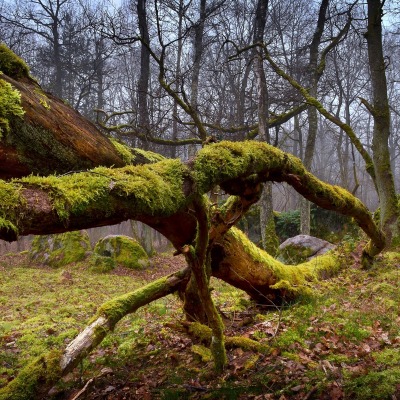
(341, 342)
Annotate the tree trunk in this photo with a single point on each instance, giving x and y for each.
(305, 213)
(389, 209)
(143, 84)
(269, 238)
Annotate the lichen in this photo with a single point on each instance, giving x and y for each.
(10, 106)
(11, 64)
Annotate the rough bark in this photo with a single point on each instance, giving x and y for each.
(51, 137)
(143, 83)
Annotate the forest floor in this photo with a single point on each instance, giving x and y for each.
(343, 342)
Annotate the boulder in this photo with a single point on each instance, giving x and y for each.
(60, 249)
(124, 250)
(301, 248)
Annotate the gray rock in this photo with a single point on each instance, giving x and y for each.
(301, 248)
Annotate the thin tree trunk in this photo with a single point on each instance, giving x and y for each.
(143, 84)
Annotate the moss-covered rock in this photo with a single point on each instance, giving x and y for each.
(123, 250)
(61, 249)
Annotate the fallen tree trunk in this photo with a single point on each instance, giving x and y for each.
(165, 190)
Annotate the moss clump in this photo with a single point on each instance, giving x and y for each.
(124, 151)
(150, 156)
(11, 64)
(10, 106)
(122, 250)
(101, 264)
(373, 385)
(203, 352)
(60, 250)
(42, 372)
(225, 161)
(10, 200)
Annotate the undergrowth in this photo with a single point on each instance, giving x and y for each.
(343, 341)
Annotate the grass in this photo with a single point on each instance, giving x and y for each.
(341, 342)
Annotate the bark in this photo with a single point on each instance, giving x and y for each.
(51, 138)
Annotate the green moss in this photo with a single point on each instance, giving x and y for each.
(246, 344)
(373, 385)
(10, 106)
(61, 249)
(117, 308)
(10, 200)
(11, 64)
(124, 151)
(123, 250)
(224, 161)
(150, 156)
(388, 357)
(293, 278)
(271, 239)
(203, 352)
(101, 264)
(44, 371)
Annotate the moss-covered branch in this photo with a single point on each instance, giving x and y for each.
(154, 192)
(330, 117)
(239, 262)
(39, 376)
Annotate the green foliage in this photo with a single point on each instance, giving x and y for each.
(325, 224)
(11, 64)
(10, 200)
(10, 106)
(287, 224)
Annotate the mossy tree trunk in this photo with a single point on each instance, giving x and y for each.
(389, 208)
